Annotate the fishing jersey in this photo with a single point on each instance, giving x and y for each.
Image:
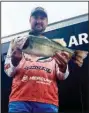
(34, 79)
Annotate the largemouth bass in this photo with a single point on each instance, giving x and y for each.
(40, 46)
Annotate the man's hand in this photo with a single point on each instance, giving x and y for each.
(62, 59)
(16, 56)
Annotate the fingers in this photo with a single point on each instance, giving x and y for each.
(16, 57)
(58, 61)
(65, 54)
(61, 64)
(17, 53)
(62, 59)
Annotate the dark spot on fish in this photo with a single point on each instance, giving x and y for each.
(31, 43)
(26, 44)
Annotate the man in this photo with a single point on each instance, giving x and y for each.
(34, 87)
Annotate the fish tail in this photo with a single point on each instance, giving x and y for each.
(81, 54)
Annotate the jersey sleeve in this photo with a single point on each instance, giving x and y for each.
(61, 75)
(9, 69)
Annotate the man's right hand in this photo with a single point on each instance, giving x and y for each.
(16, 56)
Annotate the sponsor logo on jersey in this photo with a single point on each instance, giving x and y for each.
(37, 79)
(38, 67)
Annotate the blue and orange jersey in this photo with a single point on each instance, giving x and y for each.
(34, 79)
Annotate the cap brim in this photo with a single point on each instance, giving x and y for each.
(42, 13)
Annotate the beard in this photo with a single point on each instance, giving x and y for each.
(39, 28)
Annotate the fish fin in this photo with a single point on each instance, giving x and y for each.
(60, 41)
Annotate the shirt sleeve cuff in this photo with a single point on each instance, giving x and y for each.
(66, 74)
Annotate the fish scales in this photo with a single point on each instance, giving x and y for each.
(51, 43)
(43, 46)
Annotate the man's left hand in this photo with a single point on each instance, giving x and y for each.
(62, 59)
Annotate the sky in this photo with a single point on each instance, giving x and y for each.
(15, 15)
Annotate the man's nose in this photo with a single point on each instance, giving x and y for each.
(39, 20)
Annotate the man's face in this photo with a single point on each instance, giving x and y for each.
(38, 23)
